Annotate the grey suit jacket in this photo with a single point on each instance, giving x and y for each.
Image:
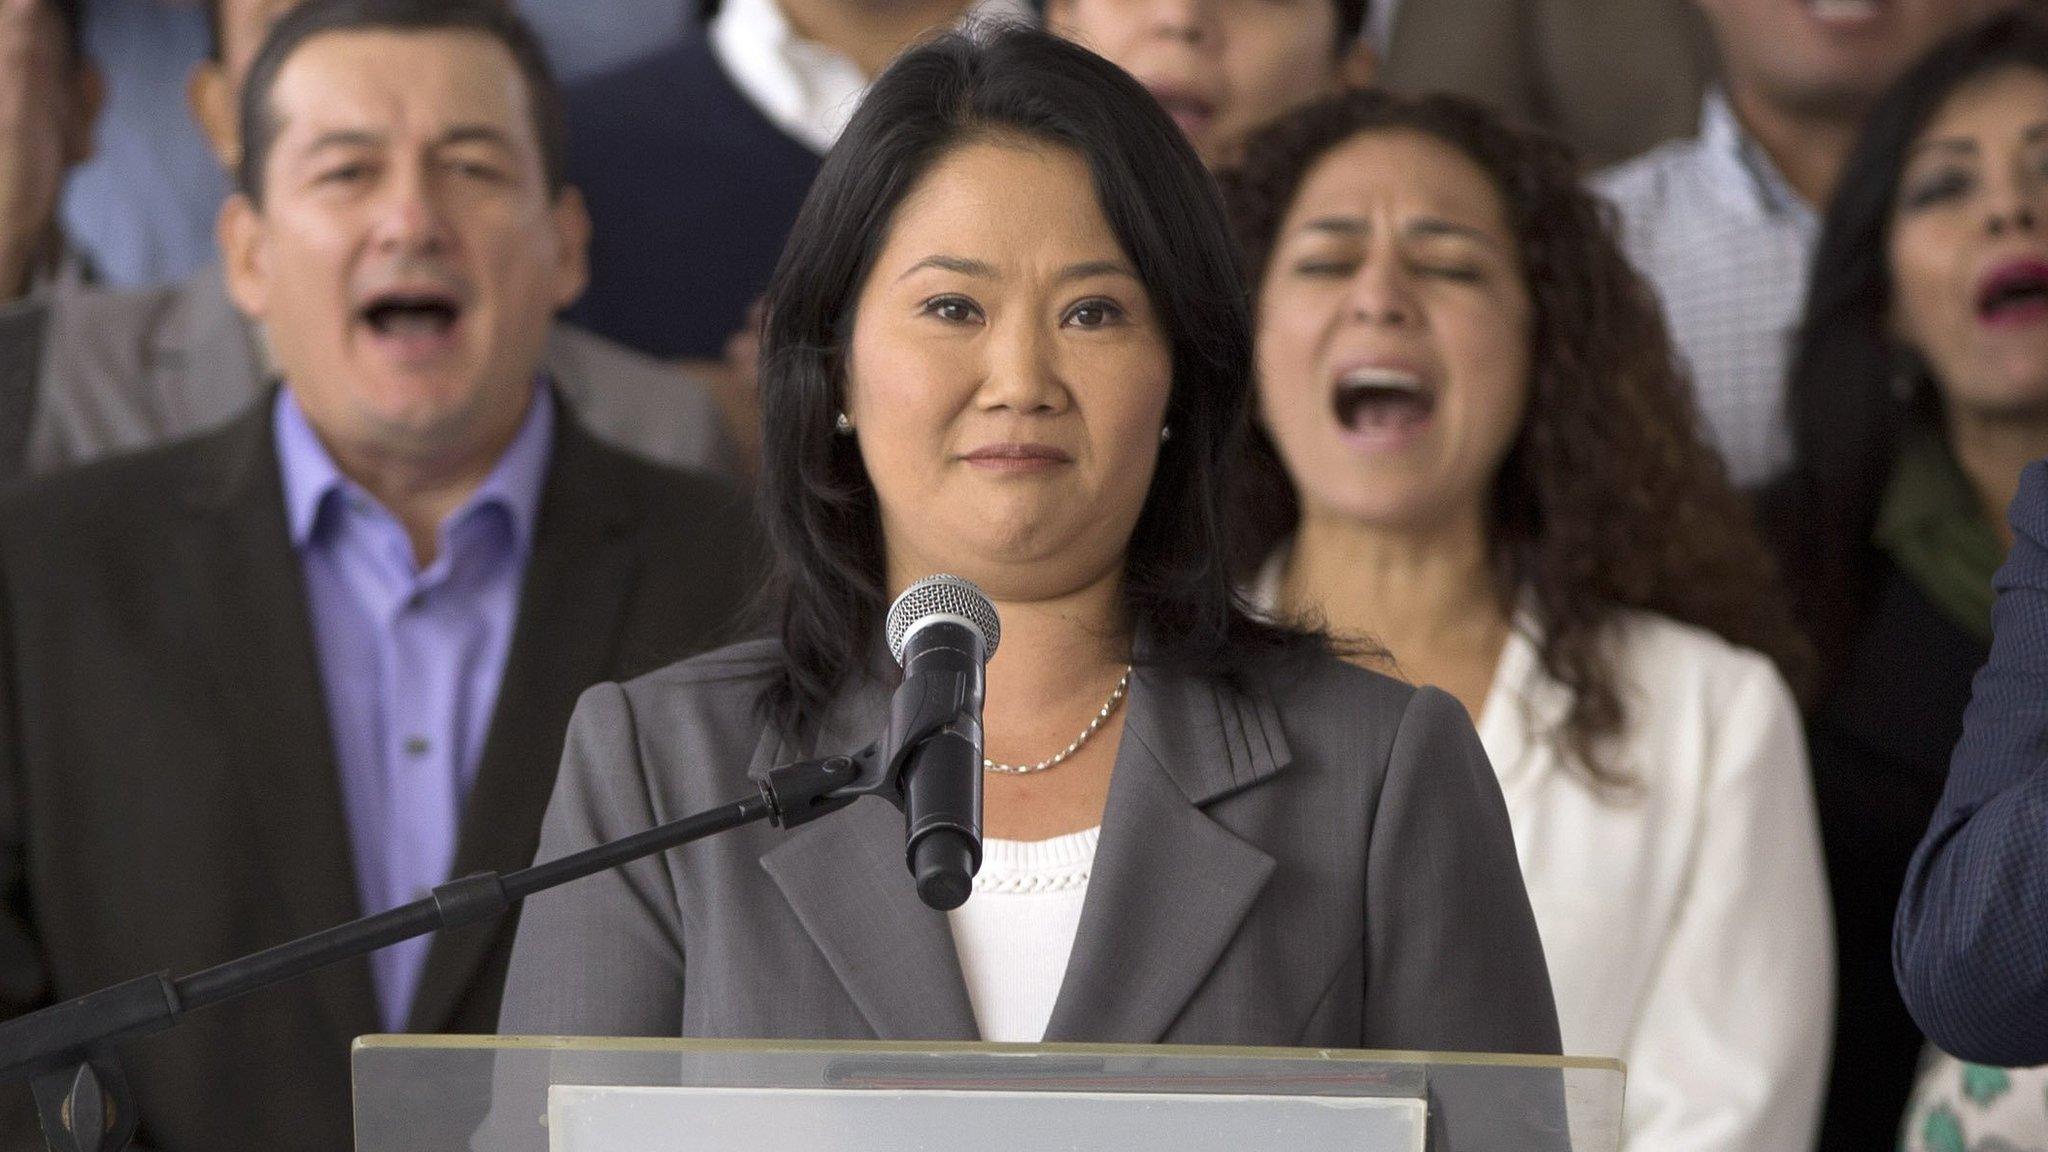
(118, 371)
(1614, 77)
(1323, 860)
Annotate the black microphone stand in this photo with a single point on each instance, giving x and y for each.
(66, 1052)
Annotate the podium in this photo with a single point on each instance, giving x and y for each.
(557, 1094)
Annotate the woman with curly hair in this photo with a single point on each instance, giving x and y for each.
(1475, 448)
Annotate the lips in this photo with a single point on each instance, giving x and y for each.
(1379, 406)
(2015, 292)
(1017, 457)
(1844, 13)
(1190, 110)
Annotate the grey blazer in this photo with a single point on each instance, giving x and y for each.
(117, 371)
(1322, 860)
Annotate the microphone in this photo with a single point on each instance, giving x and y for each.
(942, 630)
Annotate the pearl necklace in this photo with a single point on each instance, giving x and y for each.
(1116, 697)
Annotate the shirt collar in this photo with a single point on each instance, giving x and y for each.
(1739, 164)
(313, 481)
(807, 89)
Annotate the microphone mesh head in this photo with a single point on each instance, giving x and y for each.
(942, 595)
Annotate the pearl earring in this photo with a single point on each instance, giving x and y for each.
(1165, 433)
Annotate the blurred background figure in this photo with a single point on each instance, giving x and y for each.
(1919, 392)
(144, 207)
(1475, 447)
(695, 160)
(1612, 77)
(1724, 224)
(1223, 68)
(49, 96)
(309, 664)
(107, 371)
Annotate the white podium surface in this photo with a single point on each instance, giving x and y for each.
(611, 1119)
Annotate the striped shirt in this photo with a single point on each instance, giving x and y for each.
(1726, 242)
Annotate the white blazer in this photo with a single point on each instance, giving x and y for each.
(1686, 923)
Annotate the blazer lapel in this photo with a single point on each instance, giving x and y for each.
(249, 604)
(1170, 885)
(844, 876)
(572, 609)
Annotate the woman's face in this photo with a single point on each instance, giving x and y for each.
(1008, 376)
(1969, 248)
(1393, 334)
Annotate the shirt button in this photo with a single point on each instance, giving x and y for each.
(417, 746)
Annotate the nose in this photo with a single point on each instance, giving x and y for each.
(1021, 374)
(2016, 204)
(2019, 217)
(410, 218)
(1379, 293)
(1190, 22)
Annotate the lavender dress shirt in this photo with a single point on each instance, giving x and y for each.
(411, 659)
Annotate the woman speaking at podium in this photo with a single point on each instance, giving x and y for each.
(1009, 340)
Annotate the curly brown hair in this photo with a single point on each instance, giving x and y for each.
(1608, 499)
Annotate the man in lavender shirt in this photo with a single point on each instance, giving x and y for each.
(306, 666)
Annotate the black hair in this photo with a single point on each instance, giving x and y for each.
(492, 18)
(71, 13)
(216, 40)
(1853, 393)
(1351, 16)
(1003, 82)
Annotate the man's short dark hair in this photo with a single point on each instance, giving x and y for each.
(492, 18)
(1350, 19)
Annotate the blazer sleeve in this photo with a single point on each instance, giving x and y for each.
(1731, 1047)
(23, 327)
(1452, 959)
(1970, 945)
(600, 956)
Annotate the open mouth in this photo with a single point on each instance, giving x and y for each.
(1378, 402)
(411, 315)
(1844, 12)
(1191, 112)
(2014, 293)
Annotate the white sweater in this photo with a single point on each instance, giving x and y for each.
(1016, 931)
(1687, 924)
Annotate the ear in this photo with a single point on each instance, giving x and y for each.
(244, 236)
(1359, 67)
(206, 95)
(88, 95)
(570, 219)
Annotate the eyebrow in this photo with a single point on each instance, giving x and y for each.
(1427, 226)
(983, 270)
(1964, 145)
(365, 138)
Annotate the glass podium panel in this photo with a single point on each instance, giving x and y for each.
(535, 1094)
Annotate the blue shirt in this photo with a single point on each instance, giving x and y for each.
(1726, 242)
(143, 207)
(410, 659)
